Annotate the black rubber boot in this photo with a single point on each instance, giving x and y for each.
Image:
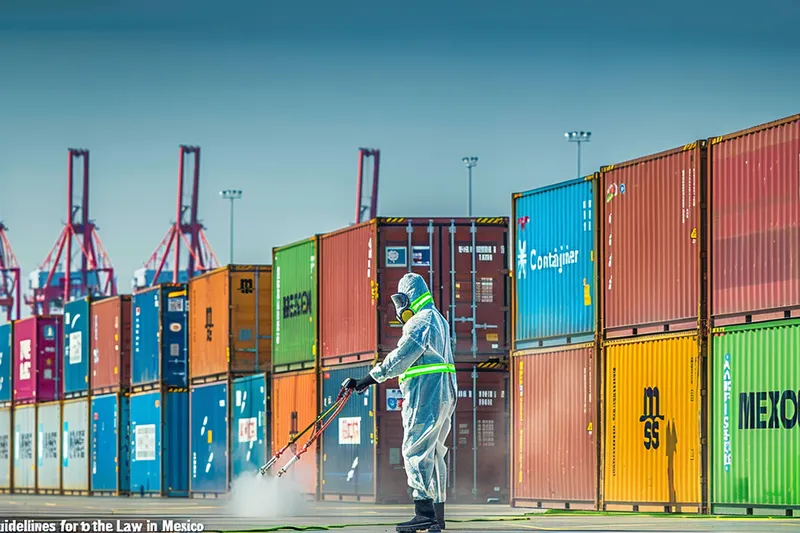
(424, 518)
(439, 508)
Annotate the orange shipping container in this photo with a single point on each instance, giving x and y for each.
(295, 404)
(230, 322)
(653, 409)
(111, 344)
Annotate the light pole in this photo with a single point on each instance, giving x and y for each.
(578, 137)
(230, 194)
(470, 162)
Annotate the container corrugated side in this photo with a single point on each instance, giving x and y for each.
(555, 277)
(48, 448)
(111, 344)
(38, 341)
(77, 346)
(160, 337)
(652, 233)
(230, 325)
(755, 439)
(295, 404)
(110, 444)
(75, 447)
(159, 459)
(250, 430)
(295, 324)
(6, 444)
(555, 444)
(755, 223)
(653, 447)
(208, 439)
(6, 355)
(24, 449)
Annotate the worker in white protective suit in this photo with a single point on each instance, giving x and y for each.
(423, 360)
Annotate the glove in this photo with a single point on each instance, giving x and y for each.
(360, 385)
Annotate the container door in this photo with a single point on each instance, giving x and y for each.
(49, 349)
(348, 444)
(390, 475)
(24, 446)
(146, 450)
(295, 404)
(251, 320)
(75, 446)
(249, 424)
(5, 448)
(6, 352)
(175, 452)
(48, 447)
(105, 448)
(174, 337)
(145, 343)
(209, 438)
(76, 348)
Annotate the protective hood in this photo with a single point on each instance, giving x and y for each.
(413, 286)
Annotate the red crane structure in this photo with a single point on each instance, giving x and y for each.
(53, 286)
(368, 205)
(10, 273)
(189, 230)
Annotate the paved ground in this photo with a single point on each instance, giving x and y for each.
(216, 515)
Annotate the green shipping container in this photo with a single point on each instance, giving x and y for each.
(755, 426)
(294, 311)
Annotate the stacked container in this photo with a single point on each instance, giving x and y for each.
(464, 262)
(654, 329)
(6, 410)
(159, 402)
(110, 333)
(754, 301)
(229, 338)
(555, 441)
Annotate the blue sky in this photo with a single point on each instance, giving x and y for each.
(281, 95)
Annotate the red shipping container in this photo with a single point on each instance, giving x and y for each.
(653, 235)
(755, 224)
(38, 341)
(554, 419)
(362, 265)
(111, 344)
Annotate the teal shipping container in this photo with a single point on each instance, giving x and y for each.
(251, 423)
(76, 348)
(159, 445)
(110, 445)
(208, 411)
(555, 277)
(6, 355)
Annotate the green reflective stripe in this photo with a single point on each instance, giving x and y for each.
(436, 368)
(421, 301)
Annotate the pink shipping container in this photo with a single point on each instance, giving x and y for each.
(554, 441)
(653, 237)
(361, 265)
(754, 251)
(37, 354)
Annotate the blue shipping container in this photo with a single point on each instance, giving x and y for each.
(250, 430)
(160, 443)
(160, 336)
(348, 444)
(76, 348)
(555, 296)
(209, 438)
(6, 354)
(110, 444)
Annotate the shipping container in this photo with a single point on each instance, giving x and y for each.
(111, 473)
(77, 348)
(653, 237)
(6, 445)
(208, 438)
(653, 449)
(76, 435)
(466, 272)
(159, 443)
(24, 446)
(6, 354)
(230, 327)
(755, 223)
(160, 337)
(756, 444)
(250, 431)
(295, 404)
(556, 275)
(555, 444)
(37, 357)
(48, 448)
(477, 445)
(111, 345)
(295, 324)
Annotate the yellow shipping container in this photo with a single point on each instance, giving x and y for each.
(653, 407)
